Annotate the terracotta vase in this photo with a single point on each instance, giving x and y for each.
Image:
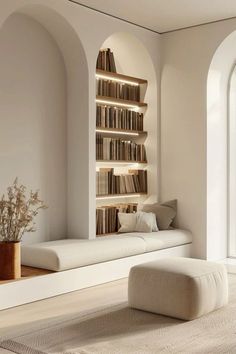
(10, 262)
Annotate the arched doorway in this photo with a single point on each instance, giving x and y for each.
(219, 182)
(232, 164)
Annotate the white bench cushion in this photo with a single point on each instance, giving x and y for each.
(178, 287)
(73, 253)
(155, 241)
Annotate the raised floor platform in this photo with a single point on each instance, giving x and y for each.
(28, 272)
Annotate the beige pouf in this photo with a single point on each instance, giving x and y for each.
(184, 288)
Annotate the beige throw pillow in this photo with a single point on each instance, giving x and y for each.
(127, 222)
(165, 213)
(146, 222)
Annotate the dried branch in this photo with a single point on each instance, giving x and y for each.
(17, 212)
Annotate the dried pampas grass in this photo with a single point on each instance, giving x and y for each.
(17, 212)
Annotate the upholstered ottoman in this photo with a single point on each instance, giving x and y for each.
(184, 288)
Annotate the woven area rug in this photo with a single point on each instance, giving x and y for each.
(120, 330)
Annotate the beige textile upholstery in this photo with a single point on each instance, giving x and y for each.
(73, 253)
(165, 239)
(184, 288)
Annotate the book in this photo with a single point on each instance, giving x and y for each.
(106, 61)
(113, 149)
(121, 90)
(118, 118)
(107, 217)
(108, 183)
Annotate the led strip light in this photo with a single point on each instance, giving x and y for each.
(118, 196)
(111, 78)
(116, 132)
(115, 103)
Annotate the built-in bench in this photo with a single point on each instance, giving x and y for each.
(74, 253)
(78, 264)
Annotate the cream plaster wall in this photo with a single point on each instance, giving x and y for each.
(186, 60)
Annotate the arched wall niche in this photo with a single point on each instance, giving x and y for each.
(232, 163)
(67, 191)
(217, 147)
(132, 58)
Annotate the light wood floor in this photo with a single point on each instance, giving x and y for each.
(28, 272)
(71, 303)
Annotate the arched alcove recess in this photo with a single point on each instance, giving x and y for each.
(75, 135)
(232, 163)
(133, 59)
(217, 147)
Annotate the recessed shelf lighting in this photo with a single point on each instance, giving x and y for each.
(112, 78)
(131, 195)
(117, 104)
(119, 163)
(125, 79)
(98, 130)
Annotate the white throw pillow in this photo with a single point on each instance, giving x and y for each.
(146, 222)
(137, 222)
(127, 222)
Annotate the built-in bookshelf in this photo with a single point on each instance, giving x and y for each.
(121, 158)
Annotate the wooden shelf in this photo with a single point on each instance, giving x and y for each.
(124, 195)
(119, 77)
(131, 162)
(112, 101)
(120, 132)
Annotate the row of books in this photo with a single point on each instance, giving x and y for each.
(107, 217)
(107, 183)
(118, 90)
(119, 118)
(106, 61)
(119, 150)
